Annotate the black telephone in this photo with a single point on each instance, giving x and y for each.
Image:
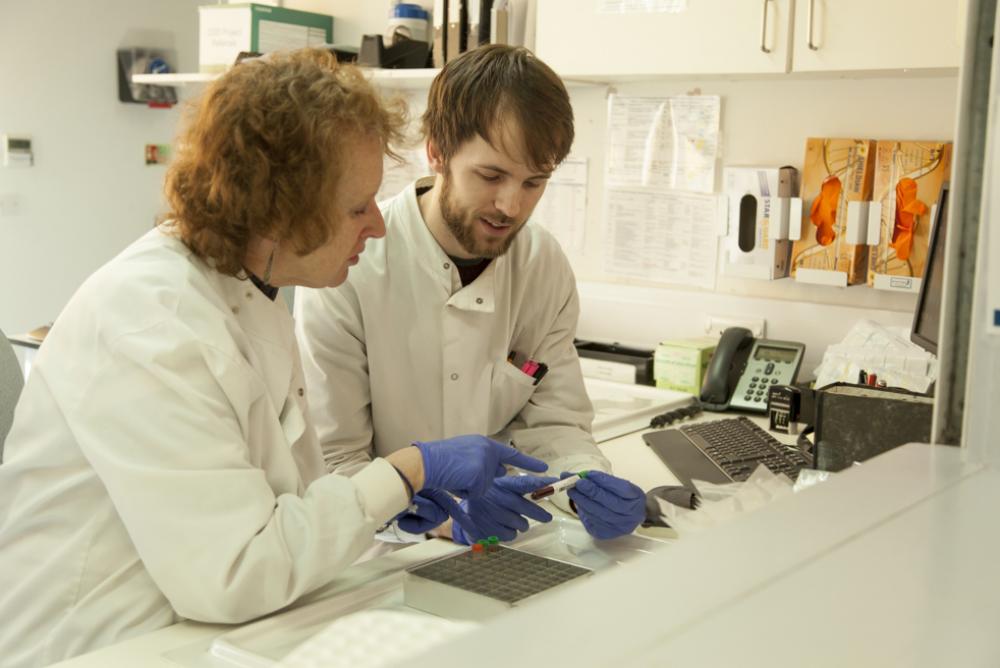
(743, 368)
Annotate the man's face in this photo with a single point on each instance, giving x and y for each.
(487, 195)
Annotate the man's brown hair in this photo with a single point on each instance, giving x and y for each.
(264, 149)
(483, 89)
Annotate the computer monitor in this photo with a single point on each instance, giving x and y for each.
(927, 316)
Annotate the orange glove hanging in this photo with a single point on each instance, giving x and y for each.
(823, 213)
(908, 207)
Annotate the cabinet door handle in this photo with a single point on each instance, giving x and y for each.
(809, 30)
(763, 28)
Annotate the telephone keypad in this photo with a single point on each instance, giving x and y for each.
(761, 374)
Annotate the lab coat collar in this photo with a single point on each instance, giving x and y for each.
(480, 295)
(260, 317)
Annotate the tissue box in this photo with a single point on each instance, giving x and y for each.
(761, 201)
(680, 364)
(225, 30)
(908, 178)
(831, 245)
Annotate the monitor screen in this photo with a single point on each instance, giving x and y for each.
(927, 317)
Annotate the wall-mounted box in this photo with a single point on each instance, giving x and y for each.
(226, 30)
(142, 60)
(761, 201)
(15, 151)
(831, 244)
(908, 178)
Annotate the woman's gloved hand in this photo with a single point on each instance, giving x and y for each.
(608, 506)
(502, 511)
(467, 465)
(422, 516)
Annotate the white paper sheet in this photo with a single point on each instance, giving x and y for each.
(563, 208)
(720, 503)
(641, 6)
(667, 237)
(663, 142)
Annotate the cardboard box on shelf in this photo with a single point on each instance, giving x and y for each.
(679, 364)
(761, 202)
(908, 178)
(830, 247)
(226, 30)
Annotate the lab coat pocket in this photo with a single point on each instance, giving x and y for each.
(510, 391)
(293, 420)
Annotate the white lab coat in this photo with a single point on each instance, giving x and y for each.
(403, 352)
(161, 465)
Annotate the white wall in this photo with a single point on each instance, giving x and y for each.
(89, 193)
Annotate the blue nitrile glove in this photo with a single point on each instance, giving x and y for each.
(502, 511)
(467, 465)
(425, 514)
(608, 506)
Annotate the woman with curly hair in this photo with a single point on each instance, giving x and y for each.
(161, 464)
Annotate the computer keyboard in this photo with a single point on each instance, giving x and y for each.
(723, 451)
(737, 446)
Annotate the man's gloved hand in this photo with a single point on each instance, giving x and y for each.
(608, 506)
(425, 514)
(467, 465)
(502, 511)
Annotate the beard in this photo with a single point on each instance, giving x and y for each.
(464, 225)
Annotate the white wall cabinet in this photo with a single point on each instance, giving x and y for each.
(858, 35)
(580, 38)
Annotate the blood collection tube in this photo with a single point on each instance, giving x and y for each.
(558, 486)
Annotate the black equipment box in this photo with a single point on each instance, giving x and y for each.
(404, 54)
(857, 422)
(639, 358)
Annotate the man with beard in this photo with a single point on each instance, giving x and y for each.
(461, 320)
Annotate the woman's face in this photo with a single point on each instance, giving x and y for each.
(357, 219)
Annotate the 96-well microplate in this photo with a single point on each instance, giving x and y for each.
(478, 585)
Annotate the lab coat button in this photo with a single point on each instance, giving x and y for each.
(454, 376)
(302, 392)
(479, 300)
(447, 265)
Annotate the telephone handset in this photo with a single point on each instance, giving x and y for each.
(743, 368)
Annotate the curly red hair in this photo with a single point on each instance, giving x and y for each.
(263, 150)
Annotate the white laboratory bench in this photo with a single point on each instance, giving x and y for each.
(889, 563)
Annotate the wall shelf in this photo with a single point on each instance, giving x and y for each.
(174, 79)
(400, 79)
(405, 79)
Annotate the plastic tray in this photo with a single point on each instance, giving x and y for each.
(620, 408)
(264, 643)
